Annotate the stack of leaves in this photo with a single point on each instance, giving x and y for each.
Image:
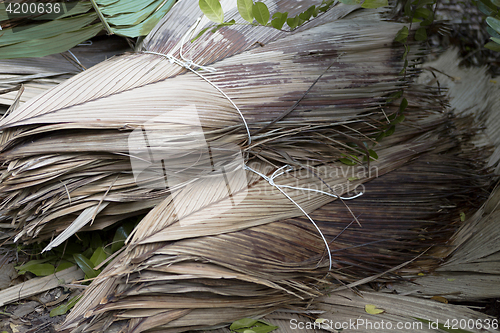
(316, 98)
(67, 155)
(36, 30)
(194, 270)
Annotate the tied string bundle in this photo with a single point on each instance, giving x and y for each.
(192, 66)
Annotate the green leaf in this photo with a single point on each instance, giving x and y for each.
(45, 46)
(41, 269)
(421, 34)
(86, 266)
(462, 216)
(347, 161)
(121, 234)
(428, 21)
(403, 105)
(252, 325)
(306, 15)
(45, 30)
(373, 310)
(264, 329)
(243, 323)
(245, 8)
(87, 253)
(398, 120)
(225, 24)
(33, 264)
(394, 96)
(95, 241)
(390, 131)
(496, 2)
(493, 23)
(373, 154)
(200, 33)
(422, 12)
(147, 25)
(402, 35)
(407, 8)
(279, 19)
(129, 12)
(351, 2)
(326, 6)
(212, 10)
(493, 46)
(374, 3)
(406, 64)
(99, 256)
(380, 137)
(64, 266)
(486, 9)
(315, 11)
(496, 40)
(63, 308)
(260, 12)
(492, 32)
(293, 22)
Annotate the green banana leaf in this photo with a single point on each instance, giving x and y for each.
(38, 36)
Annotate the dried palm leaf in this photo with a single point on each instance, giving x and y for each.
(38, 75)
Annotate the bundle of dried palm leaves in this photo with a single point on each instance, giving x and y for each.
(197, 259)
(68, 150)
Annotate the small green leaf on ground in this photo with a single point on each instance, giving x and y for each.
(243, 323)
(372, 309)
(63, 308)
(86, 266)
(252, 325)
(121, 234)
(38, 267)
(64, 265)
(98, 256)
(41, 269)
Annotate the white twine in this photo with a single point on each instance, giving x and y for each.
(189, 64)
(284, 169)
